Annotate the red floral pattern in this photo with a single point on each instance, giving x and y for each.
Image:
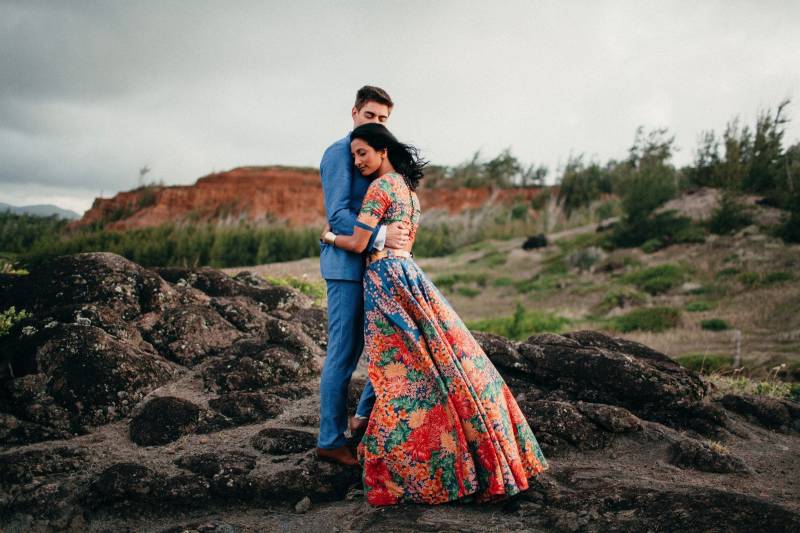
(445, 425)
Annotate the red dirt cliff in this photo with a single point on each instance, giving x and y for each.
(261, 194)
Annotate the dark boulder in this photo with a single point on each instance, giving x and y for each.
(216, 283)
(774, 413)
(81, 375)
(248, 407)
(282, 441)
(596, 368)
(163, 420)
(14, 431)
(319, 480)
(25, 466)
(559, 425)
(259, 364)
(535, 241)
(190, 333)
(610, 418)
(227, 473)
(124, 484)
(708, 457)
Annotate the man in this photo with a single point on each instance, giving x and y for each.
(344, 189)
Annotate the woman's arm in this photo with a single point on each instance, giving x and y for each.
(357, 242)
(376, 202)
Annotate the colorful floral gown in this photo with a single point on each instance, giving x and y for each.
(444, 425)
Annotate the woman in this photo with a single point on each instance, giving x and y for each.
(444, 425)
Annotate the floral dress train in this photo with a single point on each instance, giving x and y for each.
(444, 425)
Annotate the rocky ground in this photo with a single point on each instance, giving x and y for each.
(173, 400)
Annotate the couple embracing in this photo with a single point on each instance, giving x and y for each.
(435, 422)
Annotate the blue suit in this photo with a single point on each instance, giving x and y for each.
(344, 190)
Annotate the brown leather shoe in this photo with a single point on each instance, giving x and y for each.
(358, 426)
(341, 455)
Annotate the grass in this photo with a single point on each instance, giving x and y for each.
(539, 282)
(657, 279)
(503, 282)
(491, 259)
(772, 278)
(705, 363)
(714, 324)
(448, 281)
(620, 298)
(312, 289)
(522, 324)
(749, 279)
(740, 384)
(9, 317)
(698, 306)
(728, 272)
(469, 292)
(647, 319)
(8, 265)
(718, 447)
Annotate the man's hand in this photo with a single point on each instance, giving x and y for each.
(326, 230)
(397, 235)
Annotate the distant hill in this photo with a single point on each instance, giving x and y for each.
(40, 210)
(267, 193)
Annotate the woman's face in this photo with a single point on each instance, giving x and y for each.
(367, 160)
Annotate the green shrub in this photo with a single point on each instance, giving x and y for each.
(749, 279)
(607, 209)
(622, 297)
(539, 282)
(727, 272)
(657, 279)
(435, 241)
(706, 363)
(698, 306)
(652, 245)
(492, 259)
(667, 226)
(729, 216)
(469, 292)
(690, 234)
(503, 282)
(448, 281)
(714, 324)
(647, 319)
(771, 278)
(519, 211)
(522, 324)
(555, 265)
(9, 317)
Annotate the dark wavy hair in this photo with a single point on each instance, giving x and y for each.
(404, 158)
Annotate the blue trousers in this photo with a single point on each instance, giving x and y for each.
(345, 344)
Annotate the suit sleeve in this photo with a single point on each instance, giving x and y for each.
(337, 181)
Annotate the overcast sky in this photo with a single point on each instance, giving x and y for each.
(92, 91)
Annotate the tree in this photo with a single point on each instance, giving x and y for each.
(766, 162)
(647, 179)
(706, 169)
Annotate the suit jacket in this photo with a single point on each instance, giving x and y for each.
(343, 188)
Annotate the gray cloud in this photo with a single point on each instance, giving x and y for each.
(91, 91)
